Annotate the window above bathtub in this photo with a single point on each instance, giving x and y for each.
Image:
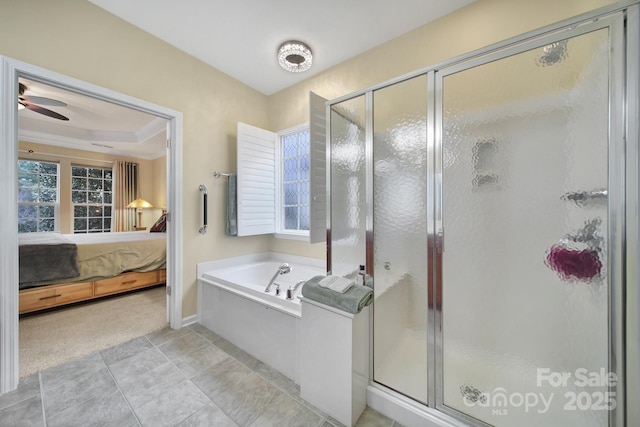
(282, 181)
(292, 181)
(273, 182)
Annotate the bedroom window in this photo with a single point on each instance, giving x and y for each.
(38, 195)
(92, 198)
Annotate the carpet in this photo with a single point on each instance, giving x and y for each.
(55, 337)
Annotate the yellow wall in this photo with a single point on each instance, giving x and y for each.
(78, 39)
(75, 38)
(159, 194)
(480, 24)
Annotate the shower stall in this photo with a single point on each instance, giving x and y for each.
(486, 197)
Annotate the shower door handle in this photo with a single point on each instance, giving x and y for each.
(440, 240)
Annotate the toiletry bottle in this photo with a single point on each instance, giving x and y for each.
(361, 275)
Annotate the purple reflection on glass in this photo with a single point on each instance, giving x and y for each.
(574, 264)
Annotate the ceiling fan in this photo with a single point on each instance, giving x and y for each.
(30, 103)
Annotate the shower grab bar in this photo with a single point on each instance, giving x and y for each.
(217, 174)
(203, 190)
(579, 197)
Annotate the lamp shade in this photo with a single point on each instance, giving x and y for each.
(139, 203)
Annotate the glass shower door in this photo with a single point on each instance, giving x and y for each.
(525, 270)
(348, 186)
(400, 271)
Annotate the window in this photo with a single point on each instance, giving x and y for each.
(281, 180)
(92, 198)
(293, 185)
(37, 196)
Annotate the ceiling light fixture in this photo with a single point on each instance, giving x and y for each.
(295, 56)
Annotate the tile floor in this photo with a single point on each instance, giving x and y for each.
(186, 377)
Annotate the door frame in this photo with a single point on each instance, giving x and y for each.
(10, 70)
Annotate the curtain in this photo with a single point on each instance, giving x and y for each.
(126, 191)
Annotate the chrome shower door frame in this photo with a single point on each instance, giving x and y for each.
(619, 194)
(623, 21)
(631, 295)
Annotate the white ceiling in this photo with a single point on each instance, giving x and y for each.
(93, 124)
(241, 37)
(238, 37)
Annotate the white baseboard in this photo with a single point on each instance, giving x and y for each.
(186, 321)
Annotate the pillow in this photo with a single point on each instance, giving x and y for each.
(160, 226)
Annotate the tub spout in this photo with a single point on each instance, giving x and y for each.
(283, 269)
(292, 290)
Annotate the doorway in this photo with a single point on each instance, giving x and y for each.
(10, 71)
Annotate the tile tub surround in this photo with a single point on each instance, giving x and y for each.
(185, 377)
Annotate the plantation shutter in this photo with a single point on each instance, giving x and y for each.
(256, 181)
(318, 176)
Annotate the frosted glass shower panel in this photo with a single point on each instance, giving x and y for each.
(524, 209)
(348, 184)
(400, 237)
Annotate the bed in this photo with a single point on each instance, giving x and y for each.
(57, 269)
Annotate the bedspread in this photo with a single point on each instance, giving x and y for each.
(104, 255)
(102, 260)
(46, 257)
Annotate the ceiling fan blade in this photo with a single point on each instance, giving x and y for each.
(40, 100)
(46, 112)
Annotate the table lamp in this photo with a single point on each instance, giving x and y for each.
(139, 204)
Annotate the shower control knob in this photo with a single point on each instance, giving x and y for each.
(387, 266)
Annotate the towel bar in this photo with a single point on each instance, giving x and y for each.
(219, 174)
(203, 190)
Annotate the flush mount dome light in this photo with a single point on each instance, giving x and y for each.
(295, 56)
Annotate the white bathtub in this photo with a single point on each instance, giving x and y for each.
(250, 280)
(233, 304)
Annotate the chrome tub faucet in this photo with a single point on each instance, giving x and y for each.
(292, 290)
(283, 269)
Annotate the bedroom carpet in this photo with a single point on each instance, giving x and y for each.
(55, 337)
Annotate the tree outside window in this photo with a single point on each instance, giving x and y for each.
(92, 198)
(38, 196)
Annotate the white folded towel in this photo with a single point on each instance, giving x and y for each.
(336, 283)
